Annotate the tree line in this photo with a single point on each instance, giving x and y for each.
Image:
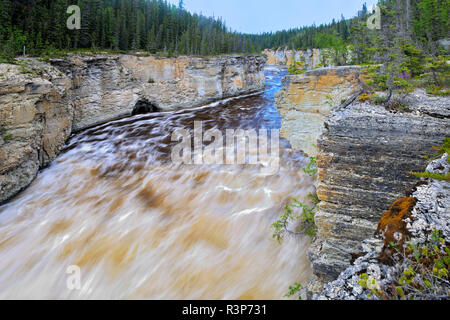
(156, 26)
(120, 25)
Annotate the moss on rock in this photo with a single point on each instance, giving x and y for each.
(392, 225)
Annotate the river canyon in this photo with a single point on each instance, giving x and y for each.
(141, 227)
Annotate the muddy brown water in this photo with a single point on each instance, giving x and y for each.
(140, 227)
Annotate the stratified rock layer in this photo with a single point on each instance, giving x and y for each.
(41, 104)
(365, 156)
(106, 87)
(35, 121)
(430, 212)
(305, 102)
(282, 57)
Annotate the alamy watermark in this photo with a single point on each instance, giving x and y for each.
(374, 21)
(239, 147)
(74, 21)
(73, 281)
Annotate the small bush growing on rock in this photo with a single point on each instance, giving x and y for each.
(371, 284)
(421, 272)
(441, 150)
(437, 91)
(378, 100)
(8, 137)
(432, 175)
(445, 148)
(366, 96)
(311, 169)
(295, 289)
(306, 220)
(297, 67)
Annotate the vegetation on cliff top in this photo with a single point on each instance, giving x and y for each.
(405, 53)
(421, 272)
(119, 25)
(155, 26)
(441, 150)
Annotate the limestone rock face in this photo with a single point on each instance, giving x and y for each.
(305, 102)
(364, 158)
(312, 57)
(35, 121)
(41, 104)
(107, 87)
(101, 89)
(430, 212)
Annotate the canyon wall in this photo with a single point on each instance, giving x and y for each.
(107, 87)
(365, 154)
(283, 57)
(410, 219)
(42, 103)
(305, 101)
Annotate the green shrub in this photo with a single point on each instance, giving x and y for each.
(306, 219)
(311, 169)
(293, 290)
(420, 272)
(8, 137)
(297, 68)
(432, 175)
(379, 100)
(445, 148)
(440, 151)
(437, 91)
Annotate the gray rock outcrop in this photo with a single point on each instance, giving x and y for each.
(107, 87)
(365, 155)
(430, 214)
(283, 57)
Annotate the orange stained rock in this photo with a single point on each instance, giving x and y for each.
(393, 224)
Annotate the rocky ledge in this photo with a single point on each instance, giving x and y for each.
(419, 217)
(42, 103)
(306, 100)
(365, 155)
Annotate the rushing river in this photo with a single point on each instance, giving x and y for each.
(140, 227)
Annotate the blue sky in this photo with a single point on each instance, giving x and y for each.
(255, 16)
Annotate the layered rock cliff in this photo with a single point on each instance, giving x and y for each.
(35, 121)
(365, 153)
(305, 102)
(283, 57)
(42, 103)
(106, 87)
(412, 220)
